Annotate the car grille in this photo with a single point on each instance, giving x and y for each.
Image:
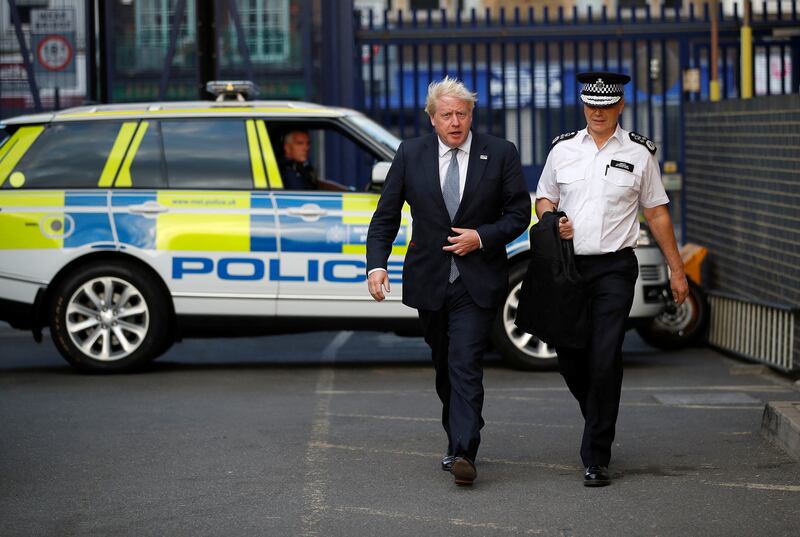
(651, 273)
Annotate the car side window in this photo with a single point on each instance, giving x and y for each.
(327, 158)
(207, 154)
(66, 155)
(146, 167)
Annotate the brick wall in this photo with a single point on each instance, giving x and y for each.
(742, 188)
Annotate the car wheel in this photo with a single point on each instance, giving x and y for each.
(109, 318)
(678, 326)
(518, 348)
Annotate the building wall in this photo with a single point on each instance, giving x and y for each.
(742, 191)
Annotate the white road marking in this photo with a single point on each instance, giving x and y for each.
(460, 522)
(330, 351)
(490, 391)
(438, 420)
(757, 486)
(643, 404)
(364, 449)
(315, 484)
(723, 387)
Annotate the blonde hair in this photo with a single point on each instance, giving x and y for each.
(448, 87)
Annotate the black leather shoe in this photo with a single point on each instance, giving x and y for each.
(463, 471)
(596, 476)
(447, 462)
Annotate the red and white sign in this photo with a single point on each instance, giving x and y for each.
(54, 52)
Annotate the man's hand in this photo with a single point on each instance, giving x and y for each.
(565, 230)
(465, 242)
(680, 287)
(377, 282)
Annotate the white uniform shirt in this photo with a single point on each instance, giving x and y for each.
(601, 189)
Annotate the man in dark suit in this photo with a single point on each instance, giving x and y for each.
(468, 200)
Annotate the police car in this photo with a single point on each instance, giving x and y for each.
(126, 227)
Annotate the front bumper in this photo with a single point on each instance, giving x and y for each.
(651, 284)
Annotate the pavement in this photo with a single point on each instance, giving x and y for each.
(337, 434)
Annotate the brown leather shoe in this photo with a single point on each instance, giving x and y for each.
(463, 471)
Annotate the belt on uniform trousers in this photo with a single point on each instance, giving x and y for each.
(609, 255)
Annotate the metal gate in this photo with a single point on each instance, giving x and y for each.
(522, 64)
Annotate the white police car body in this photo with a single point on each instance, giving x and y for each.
(123, 227)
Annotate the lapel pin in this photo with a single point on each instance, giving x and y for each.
(484, 157)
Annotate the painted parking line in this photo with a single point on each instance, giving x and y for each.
(712, 387)
(332, 349)
(429, 455)
(315, 483)
(457, 522)
(757, 486)
(438, 420)
(772, 388)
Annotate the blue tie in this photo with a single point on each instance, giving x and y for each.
(451, 194)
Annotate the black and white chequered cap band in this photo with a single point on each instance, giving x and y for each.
(600, 94)
(600, 101)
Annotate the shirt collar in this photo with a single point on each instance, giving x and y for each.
(443, 148)
(619, 134)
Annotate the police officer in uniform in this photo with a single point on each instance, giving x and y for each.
(600, 176)
(297, 173)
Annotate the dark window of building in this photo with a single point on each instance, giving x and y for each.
(424, 4)
(207, 153)
(628, 4)
(68, 155)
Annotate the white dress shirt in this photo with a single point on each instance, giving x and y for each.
(601, 189)
(462, 157)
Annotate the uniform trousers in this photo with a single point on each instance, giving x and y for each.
(458, 335)
(594, 374)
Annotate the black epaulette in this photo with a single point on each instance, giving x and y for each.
(562, 137)
(647, 142)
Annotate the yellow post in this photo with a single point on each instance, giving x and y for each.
(746, 37)
(714, 90)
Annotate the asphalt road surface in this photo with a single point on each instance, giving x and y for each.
(337, 434)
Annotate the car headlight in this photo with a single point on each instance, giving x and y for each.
(645, 238)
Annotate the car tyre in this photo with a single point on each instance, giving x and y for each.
(518, 348)
(109, 318)
(679, 326)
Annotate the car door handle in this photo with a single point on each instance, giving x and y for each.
(148, 207)
(308, 211)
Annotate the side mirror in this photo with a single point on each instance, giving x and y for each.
(379, 172)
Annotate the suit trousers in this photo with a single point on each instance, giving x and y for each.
(594, 374)
(458, 335)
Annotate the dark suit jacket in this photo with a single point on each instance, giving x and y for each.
(552, 303)
(495, 202)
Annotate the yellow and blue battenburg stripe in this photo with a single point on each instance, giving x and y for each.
(53, 219)
(342, 230)
(197, 221)
(91, 224)
(193, 221)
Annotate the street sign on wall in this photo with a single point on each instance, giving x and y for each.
(53, 47)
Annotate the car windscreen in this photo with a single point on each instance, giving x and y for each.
(376, 132)
(4, 134)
